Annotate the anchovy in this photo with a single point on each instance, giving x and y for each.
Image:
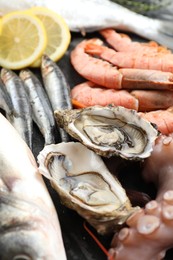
(57, 88)
(92, 15)
(22, 118)
(41, 108)
(5, 101)
(29, 226)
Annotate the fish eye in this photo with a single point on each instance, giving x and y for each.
(22, 257)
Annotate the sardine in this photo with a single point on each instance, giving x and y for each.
(22, 118)
(42, 112)
(5, 101)
(57, 88)
(91, 15)
(29, 225)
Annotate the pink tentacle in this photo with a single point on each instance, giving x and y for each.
(150, 230)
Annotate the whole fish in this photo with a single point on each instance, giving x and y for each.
(22, 118)
(162, 9)
(42, 112)
(57, 88)
(5, 101)
(29, 226)
(92, 15)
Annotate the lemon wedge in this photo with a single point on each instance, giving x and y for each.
(22, 40)
(58, 33)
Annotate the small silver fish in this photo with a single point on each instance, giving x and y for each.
(22, 118)
(57, 88)
(42, 112)
(29, 226)
(5, 101)
(91, 15)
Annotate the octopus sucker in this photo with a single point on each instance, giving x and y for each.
(152, 208)
(150, 230)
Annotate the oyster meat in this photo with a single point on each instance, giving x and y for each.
(110, 130)
(84, 184)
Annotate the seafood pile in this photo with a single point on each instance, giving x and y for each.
(118, 116)
(135, 75)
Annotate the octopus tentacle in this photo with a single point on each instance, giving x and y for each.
(149, 231)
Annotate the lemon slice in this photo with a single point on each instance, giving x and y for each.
(22, 40)
(58, 33)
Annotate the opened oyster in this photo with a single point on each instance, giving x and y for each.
(110, 130)
(84, 184)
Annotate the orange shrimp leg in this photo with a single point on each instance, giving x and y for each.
(122, 42)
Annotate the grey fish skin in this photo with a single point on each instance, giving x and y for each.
(5, 101)
(41, 108)
(29, 226)
(22, 118)
(92, 15)
(57, 88)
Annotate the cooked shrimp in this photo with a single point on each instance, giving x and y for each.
(122, 42)
(163, 119)
(105, 74)
(93, 69)
(90, 94)
(150, 100)
(138, 60)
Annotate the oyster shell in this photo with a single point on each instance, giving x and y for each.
(84, 184)
(110, 130)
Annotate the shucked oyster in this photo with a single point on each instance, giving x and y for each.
(110, 130)
(84, 184)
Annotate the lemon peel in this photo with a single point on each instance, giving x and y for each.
(23, 39)
(58, 33)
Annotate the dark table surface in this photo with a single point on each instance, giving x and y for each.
(78, 243)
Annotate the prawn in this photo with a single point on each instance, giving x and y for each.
(136, 60)
(122, 42)
(163, 119)
(150, 100)
(90, 94)
(105, 74)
